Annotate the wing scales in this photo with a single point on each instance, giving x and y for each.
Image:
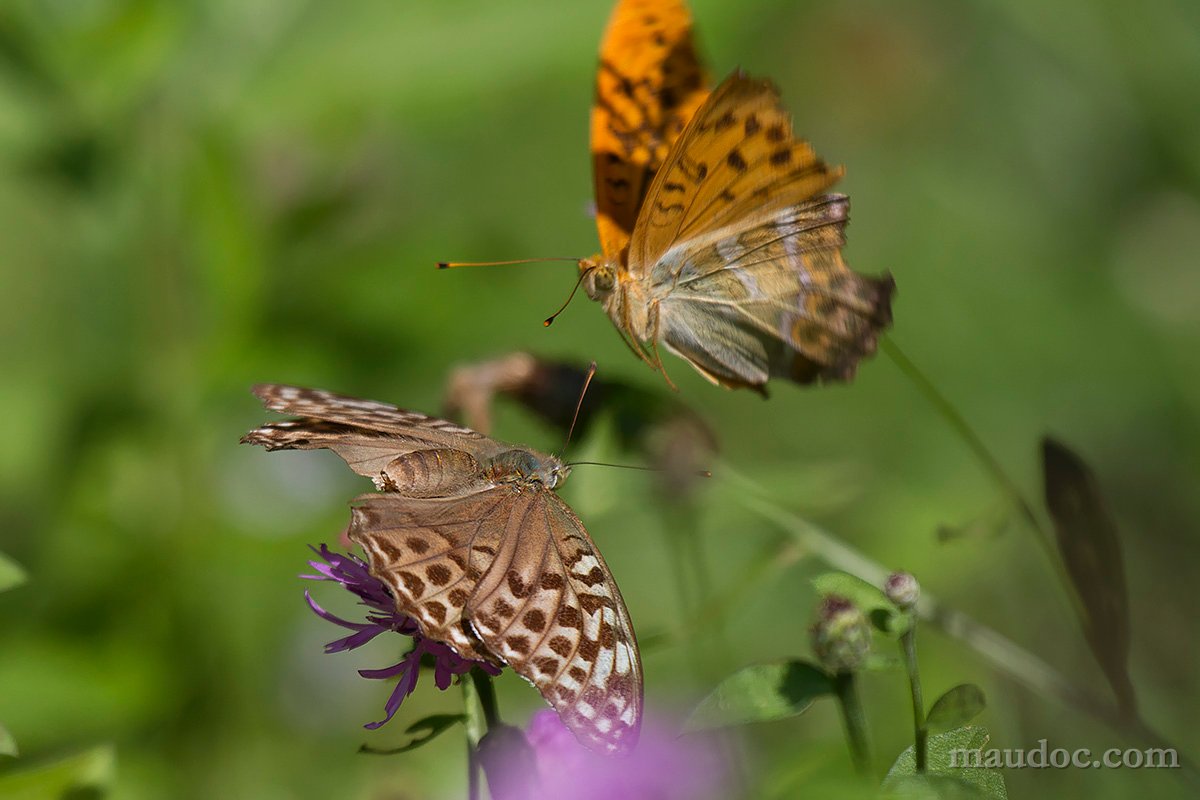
(648, 85)
(558, 619)
(431, 554)
(737, 159)
(503, 572)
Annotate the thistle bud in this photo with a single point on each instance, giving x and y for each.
(902, 589)
(841, 637)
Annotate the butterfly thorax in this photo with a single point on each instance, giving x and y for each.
(522, 468)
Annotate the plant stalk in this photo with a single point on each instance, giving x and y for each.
(475, 729)
(485, 690)
(855, 721)
(908, 643)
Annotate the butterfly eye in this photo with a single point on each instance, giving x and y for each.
(603, 279)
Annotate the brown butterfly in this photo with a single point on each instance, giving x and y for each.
(717, 240)
(472, 542)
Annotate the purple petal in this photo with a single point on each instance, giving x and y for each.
(443, 674)
(386, 672)
(336, 620)
(354, 640)
(404, 687)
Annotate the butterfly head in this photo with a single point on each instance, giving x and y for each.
(599, 277)
(554, 472)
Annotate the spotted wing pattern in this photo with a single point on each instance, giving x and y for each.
(737, 160)
(367, 434)
(500, 572)
(740, 252)
(775, 300)
(517, 570)
(648, 85)
(431, 554)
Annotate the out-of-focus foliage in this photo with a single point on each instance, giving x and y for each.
(948, 777)
(196, 196)
(1091, 552)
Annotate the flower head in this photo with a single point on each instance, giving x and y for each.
(355, 576)
(902, 589)
(841, 637)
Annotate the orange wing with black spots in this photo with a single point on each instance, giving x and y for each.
(736, 255)
(648, 85)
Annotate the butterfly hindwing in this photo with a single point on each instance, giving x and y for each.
(776, 300)
(431, 554)
(648, 85)
(551, 609)
(735, 262)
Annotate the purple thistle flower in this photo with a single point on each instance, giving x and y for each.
(355, 576)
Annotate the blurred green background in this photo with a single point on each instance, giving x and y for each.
(195, 196)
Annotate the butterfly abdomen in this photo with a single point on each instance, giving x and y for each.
(443, 472)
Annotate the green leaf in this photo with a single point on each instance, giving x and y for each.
(947, 775)
(760, 693)
(8, 745)
(956, 707)
(935, 787)
(86, 774)
(12, 574)
(432, 726)
(874, 603)
(1091, 551)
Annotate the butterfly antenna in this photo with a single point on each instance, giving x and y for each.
(702, 473)
(548, 321)
(587, 381)
(451, 264)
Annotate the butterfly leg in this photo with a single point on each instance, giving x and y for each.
(627, 336)
(657, 363)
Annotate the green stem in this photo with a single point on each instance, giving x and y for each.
(908, 643)
(991, 464)
(472, 773)
(475, 729)
(486, 692)
(854, 720)
(676, 539)
(964, 430)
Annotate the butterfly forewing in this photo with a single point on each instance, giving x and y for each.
(737, 159)
(648, 85)
(367, 414)
(367, 435)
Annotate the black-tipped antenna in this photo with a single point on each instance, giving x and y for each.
(548, 321)
(701, 473)
(587, 381)
(452, 264)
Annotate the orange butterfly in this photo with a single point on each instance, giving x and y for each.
(717, 240)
